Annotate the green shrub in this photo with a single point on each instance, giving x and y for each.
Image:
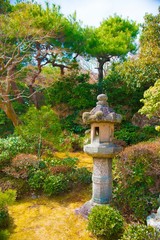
(9, 147)
(132, 134)
(69, 161)
(80, 176)
(71, 141)
(6, 198)
(20, 185)
(136, 179)
(140, 232)
(36, 179)
(40, 125)
(105, 221)
(4, 218)
(4, 234)
(55, 184)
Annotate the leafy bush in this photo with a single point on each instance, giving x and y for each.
(36, 179)
(75, 91)
(18, 184)
(80, 176)
(4, 218)
(69, 161)
(70, 141)
(60, 169)
(39, 125)
(20, 165)
(137, 179)
(25, 161)
(9, 147)
(55, 184)
(6, 126)
(6, 198)
(140, 232)
(105, 221)
(132, 134)
(4, 234)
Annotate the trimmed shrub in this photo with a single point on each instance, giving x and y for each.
(140, 232)
(25, 160)
(4, 234)
(55, 184)
(20, 165)
(6, 198)
(105, 221)
(137, 179)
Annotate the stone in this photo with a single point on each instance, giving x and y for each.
(154, 220)
(102, 119)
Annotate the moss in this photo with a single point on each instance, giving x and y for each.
(53, 218)
(50, 218)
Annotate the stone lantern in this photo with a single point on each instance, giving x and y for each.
(102, 119)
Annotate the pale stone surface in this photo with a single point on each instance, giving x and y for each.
(102, 150)
(102, 180)
(154, 220)
(102, 112)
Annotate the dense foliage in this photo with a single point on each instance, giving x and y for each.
(140, 232)
(45, 88)
(152, 102)
(6, 198)
(105, 221)
(137, 175)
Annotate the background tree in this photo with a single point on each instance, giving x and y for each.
(114, 38)
(46, 38)
(127, 81)
(152, 102)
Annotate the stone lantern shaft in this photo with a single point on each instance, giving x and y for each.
(102, 119)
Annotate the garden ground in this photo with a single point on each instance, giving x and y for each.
(45, 218)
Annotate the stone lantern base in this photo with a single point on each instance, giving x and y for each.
(85, 209)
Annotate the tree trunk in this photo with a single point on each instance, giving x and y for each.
(101, 62)
(34, 96)
(100, 76)
(11, 114)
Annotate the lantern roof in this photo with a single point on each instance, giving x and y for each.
(102, 112)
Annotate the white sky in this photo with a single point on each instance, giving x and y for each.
(92, 12)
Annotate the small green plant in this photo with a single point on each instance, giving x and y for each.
(105, 221)
(36, 179)
(6, 198)
(4, 234)
(55, 184)
(140, 232)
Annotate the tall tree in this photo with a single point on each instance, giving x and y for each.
(134, 76)
(114, 38)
